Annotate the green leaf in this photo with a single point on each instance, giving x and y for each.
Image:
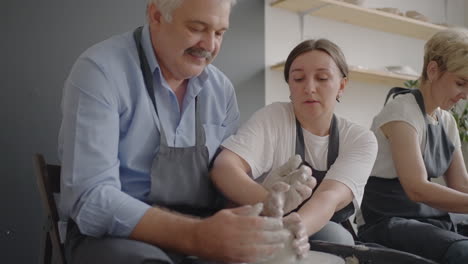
(411, 84)
(460, 114)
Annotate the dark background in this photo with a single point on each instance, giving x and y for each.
(40, 40)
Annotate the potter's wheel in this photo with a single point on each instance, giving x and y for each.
(315, 257)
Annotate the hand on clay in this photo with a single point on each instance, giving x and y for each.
(281, 173)
(300, 181)
(300, 244)
(240, 235)
(273, 205)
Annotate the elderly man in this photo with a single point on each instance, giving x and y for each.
(143, 116)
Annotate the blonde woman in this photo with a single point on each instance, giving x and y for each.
(340, 153)
(418, 141)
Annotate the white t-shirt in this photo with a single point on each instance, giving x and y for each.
(268, 140)
(405, 108)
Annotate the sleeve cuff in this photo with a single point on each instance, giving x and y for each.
(127, 216)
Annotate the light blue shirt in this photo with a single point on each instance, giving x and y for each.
(109, 133)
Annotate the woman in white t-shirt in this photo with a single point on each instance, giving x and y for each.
(418, 140)
(340, 153)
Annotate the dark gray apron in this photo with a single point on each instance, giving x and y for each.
(386, 204)
(333, 148)
(179, 176)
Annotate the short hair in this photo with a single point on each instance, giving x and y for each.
(168, 6)
(324, 45)
(449, 48)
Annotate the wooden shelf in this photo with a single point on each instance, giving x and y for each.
(360, 16)
(368, 75)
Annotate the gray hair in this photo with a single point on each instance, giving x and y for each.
(166, 7)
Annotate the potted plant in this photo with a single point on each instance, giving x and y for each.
(460, 113)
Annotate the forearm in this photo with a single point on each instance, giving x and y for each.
(459, 187)
(441, 197)
(456, 177)
(462, 188)
(230, 177)
(229, 236)
(317, 212)
(167, 230)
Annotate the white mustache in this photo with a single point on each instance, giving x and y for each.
(197, 52)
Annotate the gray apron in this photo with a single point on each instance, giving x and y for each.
(387, 208)
(179, 175)
(333, 148)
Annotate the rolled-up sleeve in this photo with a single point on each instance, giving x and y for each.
(88, 145)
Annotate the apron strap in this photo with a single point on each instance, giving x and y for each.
(148, 78)
(300, 141)
(396, 91)
(420, 100)
(333, 142)
(415, 92)
(333, 148)
(199, 131)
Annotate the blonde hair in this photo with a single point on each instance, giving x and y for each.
(166, 7)
(449, 48)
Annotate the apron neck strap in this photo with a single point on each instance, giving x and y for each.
(420, 100)
(199, 131)
(333, 142)
(396, 91)
(415, 92)
(148, 79)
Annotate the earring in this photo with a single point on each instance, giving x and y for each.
(290, 97)
(338, 98)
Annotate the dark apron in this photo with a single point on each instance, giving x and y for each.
(333, 148)
(179, 176)
(385, 202)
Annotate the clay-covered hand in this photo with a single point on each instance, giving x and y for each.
(300, 244)
(301, 185)
(282, 173)
(273, 205)
(300, 181)
(239, 235)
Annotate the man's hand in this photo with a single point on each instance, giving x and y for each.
(293, 223)
(300, 181)
(239, 235)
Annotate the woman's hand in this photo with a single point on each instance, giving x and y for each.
(288, 187)
(282, 173)
(293, 223)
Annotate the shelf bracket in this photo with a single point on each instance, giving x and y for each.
(301, 26)
(446, 11)
(305, 13)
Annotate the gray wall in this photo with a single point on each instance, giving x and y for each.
(40, 42)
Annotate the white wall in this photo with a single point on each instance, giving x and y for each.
(466, 13)
(361, 46)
